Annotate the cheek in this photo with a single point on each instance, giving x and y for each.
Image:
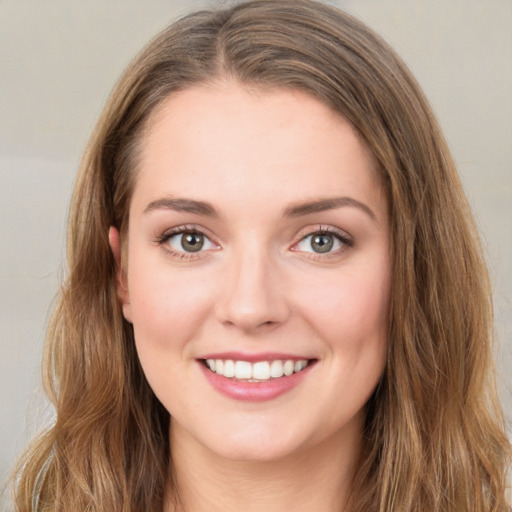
(168, 308)
(167, 305)
(351, 308)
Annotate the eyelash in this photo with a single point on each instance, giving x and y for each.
(344, 239)
(193, 230)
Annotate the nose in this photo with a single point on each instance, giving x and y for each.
(253, 296)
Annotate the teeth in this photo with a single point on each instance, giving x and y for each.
(288, 368)
(229, 368)
(261, 371)
(276, 369)
(243, 370)
(299, 365)
(257, 372)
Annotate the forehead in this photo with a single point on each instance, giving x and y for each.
(229, 141)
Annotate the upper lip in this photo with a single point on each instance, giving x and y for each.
(254, 357)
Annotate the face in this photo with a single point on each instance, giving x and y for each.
(257, 276)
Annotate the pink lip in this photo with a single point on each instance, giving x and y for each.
(254, 391)
(254, 358)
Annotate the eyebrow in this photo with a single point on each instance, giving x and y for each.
(321, 205)
(294, 210)
(182, 205)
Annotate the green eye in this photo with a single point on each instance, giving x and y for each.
(322, 242)
(189, 242)
(192, 242)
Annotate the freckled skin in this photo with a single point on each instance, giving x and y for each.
(258, 285)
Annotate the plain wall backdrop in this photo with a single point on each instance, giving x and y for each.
(59, 60)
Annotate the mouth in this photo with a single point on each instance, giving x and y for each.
(256, 372)
(255, 377)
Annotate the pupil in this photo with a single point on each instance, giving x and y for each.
(192, 242)
(322, 243)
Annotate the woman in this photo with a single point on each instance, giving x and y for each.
(276, 298)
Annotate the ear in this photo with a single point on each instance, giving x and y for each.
(123, 293)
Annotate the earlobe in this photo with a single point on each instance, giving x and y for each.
(122, 282)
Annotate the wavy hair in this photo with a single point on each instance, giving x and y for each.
(434, 432)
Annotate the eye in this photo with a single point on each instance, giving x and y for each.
(323, 242)
(189, 241)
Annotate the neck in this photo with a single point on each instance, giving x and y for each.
(318, 478)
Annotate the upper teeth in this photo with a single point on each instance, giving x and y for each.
(262, 370)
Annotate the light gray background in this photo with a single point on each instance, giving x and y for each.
(58, 61)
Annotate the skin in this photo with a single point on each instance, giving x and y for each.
(258, 286)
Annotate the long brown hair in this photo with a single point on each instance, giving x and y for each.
(434, 432)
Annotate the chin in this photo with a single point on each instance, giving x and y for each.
(256, 452)
(257, 442)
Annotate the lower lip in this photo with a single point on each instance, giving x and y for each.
(254, 391)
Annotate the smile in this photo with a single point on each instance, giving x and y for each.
(261, 371)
